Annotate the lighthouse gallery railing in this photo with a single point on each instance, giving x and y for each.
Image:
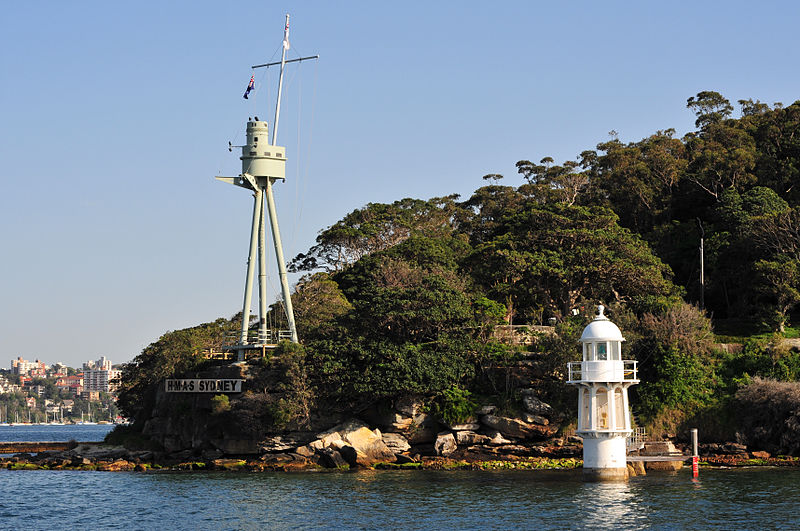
(610, 371)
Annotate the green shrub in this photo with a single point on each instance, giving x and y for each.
(220, 404)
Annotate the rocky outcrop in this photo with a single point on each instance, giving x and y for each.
(445, 444)
(355, 442)
(517, 428)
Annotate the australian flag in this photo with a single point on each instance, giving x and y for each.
(250, 86)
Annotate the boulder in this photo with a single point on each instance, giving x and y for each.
(399, 422)
(530, 418)
(118, 465)
(469, 426)
(536, 406)
(289, 441)
(517, 428)
(470, 438)
(423, 429)
(760, 455)
(395, 442)
(367, 444)
(496, 438)
(669, 466)
(331, 458)
(445, 444)
(306, 451)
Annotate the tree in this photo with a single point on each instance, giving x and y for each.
(551, 256)
(710, 108)
(373, 228)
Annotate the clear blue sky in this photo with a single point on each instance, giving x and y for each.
(116, 116)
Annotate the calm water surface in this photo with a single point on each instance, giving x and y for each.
(756, 498)
(721, 499)
(38, 433)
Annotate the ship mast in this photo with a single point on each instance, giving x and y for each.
(263, 164)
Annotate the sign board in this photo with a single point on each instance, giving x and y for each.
(204, 385)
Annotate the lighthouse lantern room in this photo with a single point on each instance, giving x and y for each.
(602, 379)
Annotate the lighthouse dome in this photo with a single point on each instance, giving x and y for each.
(601, 329)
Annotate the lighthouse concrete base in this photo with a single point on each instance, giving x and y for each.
(604, 457)
(605, 474)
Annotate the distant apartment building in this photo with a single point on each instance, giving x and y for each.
(98, 376)
(28, 368)
(73, 384)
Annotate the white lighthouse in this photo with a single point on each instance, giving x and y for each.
(602, 379)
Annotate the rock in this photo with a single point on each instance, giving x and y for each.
(469, 426)
(486, 410)
(496, 438)
(409, 406)
(536, 406)
(575, 439)
(281, 443)
(470, 438)
(760, 455)
(638, 467)
(80, 461)
(331, 458)
(349, 454)
(517, 428)
(530, 418)
(423, 430)
(400, 422)
(445, 444)
(396, 442)
(119, 465)
(631, 471)
(277, 458)
(306, 451)
(101, 451)
(669, 466)
(367, 444)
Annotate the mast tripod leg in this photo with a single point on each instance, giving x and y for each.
(262, 278)
(258, 208)
(276, 238)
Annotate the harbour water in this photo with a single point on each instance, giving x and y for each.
(749, 498)
(50, 432)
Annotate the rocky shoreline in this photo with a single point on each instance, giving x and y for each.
(104, 457)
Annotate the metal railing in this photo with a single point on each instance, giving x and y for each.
(608, 371)
(273, 337)
(636, 439)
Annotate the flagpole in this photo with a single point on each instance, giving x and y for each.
(280, 82)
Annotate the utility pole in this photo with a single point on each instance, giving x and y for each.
(702, 267)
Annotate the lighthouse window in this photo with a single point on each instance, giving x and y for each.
(255, 139)
(615, 351)
(602, 354)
